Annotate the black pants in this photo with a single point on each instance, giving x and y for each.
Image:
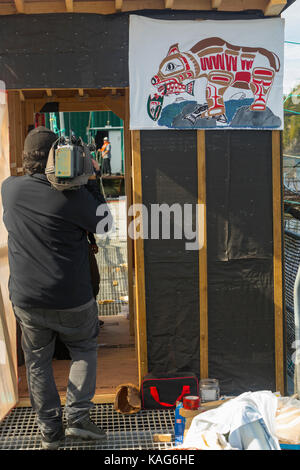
(79, 331)
(106, 169)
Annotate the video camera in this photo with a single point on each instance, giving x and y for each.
(69, 164)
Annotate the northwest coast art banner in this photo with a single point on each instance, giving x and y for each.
(205, 74)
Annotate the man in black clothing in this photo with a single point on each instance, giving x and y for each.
(50, 288)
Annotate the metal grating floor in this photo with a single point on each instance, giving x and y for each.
(19, 430)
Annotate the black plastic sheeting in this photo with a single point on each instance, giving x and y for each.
(169, 175)
(76, 50)
(241, 338)
(64, 51)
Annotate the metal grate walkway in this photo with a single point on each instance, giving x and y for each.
(19, 430)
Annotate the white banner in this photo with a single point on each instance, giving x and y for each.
(206, 74)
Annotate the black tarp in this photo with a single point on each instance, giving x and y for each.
(169, 175)
(76, 50)
(240, 260)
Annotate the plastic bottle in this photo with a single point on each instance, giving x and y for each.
(179, 424)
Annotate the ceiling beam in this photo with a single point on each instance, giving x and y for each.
(105, 7)
(216, 3)
(274, 7)
(169, 3)
(118, 5)
(69, 5)
(19, 4)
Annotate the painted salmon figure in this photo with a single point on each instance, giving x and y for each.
(155, 102)
(154, 106)
(175, 87)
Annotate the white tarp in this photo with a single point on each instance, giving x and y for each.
(206, 74)
(248, 420)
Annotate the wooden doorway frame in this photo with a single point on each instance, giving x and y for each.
(22, 107)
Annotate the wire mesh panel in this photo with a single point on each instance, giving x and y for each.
(292, 261)
(112, 264)
(19, 430)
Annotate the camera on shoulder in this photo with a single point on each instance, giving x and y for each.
(69, 164)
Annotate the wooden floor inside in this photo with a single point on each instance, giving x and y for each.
(117, 362)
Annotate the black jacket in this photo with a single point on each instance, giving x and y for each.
(47, 242)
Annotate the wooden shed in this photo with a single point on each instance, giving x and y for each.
(217, 311)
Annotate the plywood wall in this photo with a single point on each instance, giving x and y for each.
(8, 356)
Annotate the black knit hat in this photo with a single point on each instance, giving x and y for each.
(39, 139)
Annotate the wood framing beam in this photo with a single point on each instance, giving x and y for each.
(100, 7)
(82, 102)
(169, 3)
(19, 4)
(13, 99)
(97, 399)
(277, 262)
(140, 294)
(107, 7)
(128, 194)
(116, 104)
(22, 97)
(274, 7)
(118, 5)
(216, 3)
(202, 254)
(69, 5)
(74, 99)
(9, 376)
(57, 6)
(83, 107)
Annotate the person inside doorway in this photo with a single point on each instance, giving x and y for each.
(106, 156)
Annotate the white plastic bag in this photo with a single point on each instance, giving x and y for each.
(232, 419)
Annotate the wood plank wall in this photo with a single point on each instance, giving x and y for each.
(8, 367)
